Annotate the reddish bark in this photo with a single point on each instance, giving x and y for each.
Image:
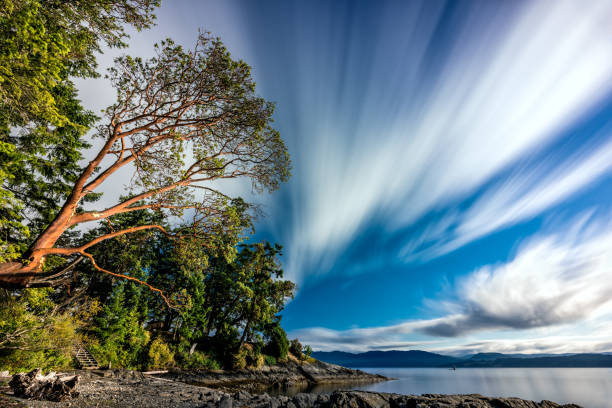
(153, 112)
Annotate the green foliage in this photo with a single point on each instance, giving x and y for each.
(10, 208)
(239, 359)
(159, 355)
(199, 360)
(263, 296)
(254, 358)
(258, 361)
(295, 347)
(278, 345)
(307, 351)
(188, 357)
(269, 360)
(120, 338)
(42, 41)
(247, 356)
(43, 44)
(33, 333)
(227, 295)
(32, 58)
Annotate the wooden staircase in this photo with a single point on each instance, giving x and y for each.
(84, 357)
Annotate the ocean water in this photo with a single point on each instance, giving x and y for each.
(589, 387)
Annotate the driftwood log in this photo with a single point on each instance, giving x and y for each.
(51, 387)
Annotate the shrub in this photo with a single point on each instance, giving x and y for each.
(278, 345)
(247, 356)
(201, 360)
(269, 360)
(196, 360)
(307, 351)
(295, 347)
(159, 355)
(239, 359)
(259, 361)
(32, 336)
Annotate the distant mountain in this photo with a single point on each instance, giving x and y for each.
(573, 360)
(416, 358)
(394, 358)
(495, 356)
(487, 356)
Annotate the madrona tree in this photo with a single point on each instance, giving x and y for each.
(182, 120)
(43, 45)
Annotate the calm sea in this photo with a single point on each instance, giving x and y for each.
(589, 387)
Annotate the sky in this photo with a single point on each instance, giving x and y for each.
(452, 162)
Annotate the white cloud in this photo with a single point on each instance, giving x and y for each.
(496, 98)
(517, 198)
(556, 288)
(552, 344)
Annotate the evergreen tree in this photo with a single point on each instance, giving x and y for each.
(43, 44)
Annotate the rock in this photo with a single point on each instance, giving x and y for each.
(103, 373)
(225, 402)
(289, 374)
(303, 400)
(121, 391)
(34, 385)
(242, 396)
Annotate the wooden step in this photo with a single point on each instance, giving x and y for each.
(84, 357)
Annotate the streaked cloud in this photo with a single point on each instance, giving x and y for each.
(517, 197)
(441, 124)
(436, 117)
(554, 281)
(547, 345)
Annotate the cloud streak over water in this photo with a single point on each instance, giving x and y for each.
(428, 139)
(553, 281)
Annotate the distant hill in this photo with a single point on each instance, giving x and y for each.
(488, 356)
(574, 360)
(394, 358)
(494, 356)
(416, 358)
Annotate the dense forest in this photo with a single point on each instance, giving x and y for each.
(167, 274)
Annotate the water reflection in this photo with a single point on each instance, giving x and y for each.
(316, 388)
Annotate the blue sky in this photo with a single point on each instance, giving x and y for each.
(452, 166)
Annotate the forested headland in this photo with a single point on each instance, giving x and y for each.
(166, 275)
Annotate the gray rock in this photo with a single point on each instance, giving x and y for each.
(225, 402)
(242, 396)
(303, 400)
(118, 392)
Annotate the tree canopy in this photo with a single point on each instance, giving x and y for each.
(43, 44)
(182, 119)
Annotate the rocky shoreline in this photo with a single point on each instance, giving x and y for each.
(278, 378)
(252, 388)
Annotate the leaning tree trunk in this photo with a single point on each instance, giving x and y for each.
(17, 275)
